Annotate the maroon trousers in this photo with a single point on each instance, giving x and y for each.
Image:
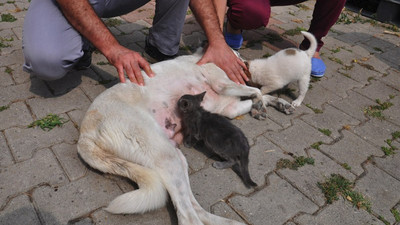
(252, 14)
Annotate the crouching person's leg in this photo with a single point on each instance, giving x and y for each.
(51, 46)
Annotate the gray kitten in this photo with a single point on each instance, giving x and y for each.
(218, 134)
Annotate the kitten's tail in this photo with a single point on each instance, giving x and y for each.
(313, 43)
(244, 172)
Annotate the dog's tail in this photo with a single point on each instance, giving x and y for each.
(151, 193)
(313, 43)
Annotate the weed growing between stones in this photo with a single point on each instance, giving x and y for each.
(8, 18)
(396, 214)
(391, 149)
(4, 107)
(346, 166)
(327, 132)
(376, 111)
(8, 70)
(112, 22)
(316, 110)
(295, 31)
(337, 185)
(316, 145)
(49, 122)
(294, 164)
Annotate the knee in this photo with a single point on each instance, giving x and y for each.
(51, 65)
(248, 14)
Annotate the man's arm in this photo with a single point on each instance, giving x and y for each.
(218, 52)
(84, 19)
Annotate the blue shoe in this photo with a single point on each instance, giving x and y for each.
(234, 41)
(318, 68)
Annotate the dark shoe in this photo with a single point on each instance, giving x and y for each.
(85, 61)
(154, 53)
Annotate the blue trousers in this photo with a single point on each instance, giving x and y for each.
(52, 47)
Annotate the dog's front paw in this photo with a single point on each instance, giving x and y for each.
(296, 103)
(259, 110)
(285, 107)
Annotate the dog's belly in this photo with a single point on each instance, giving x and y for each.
(163, 103)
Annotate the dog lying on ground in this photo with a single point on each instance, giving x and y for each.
(134, 131)
(284, 67)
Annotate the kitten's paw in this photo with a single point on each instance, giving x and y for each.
(285, 107)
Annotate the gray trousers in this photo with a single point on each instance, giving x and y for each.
(52, 46)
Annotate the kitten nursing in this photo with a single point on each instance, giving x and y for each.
(218, 135)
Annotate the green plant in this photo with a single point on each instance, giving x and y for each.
(8, 70)
(377, 110)
(336, 185)
(327, 132)
(7, 18)
(112, 22)
(316, 110)
(294, 164)
(346, 166)
(48, 122)
(316, 145)
(294, 31)
(4, 107)
(396, 214)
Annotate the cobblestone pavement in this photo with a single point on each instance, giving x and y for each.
(348, 125)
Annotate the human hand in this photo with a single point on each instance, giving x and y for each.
(222, 56)
(129, 62)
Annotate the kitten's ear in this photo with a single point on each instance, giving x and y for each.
(201, 96)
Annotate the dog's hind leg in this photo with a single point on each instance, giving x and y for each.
(151, 193)
(206, 217)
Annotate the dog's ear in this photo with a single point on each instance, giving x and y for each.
(200, 97)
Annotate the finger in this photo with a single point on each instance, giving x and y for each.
(130, 74)
(233, 77)
(202, 61)
(138, 73)
(237, 72)
(146, 67)
(121, 74)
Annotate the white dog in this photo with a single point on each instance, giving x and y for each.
(284, 67)
(133, 131)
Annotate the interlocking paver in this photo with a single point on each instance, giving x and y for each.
(340, 212)
(23, 142)
(58, 205)
(19, 211)
(351, 144)
(306, 178)
(382, 189)
(43, 181)
(43, 168)
(287, 202)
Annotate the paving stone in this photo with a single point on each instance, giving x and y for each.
(165, 216)
(392, 56)
(68, 156)
(377, 90)
(196, 159)
(222, 209)
(332, 119)
(274, 204)
(392, 114)
(284, 120)
(221, 182)
(253, 128)
(5, 77)
(16, 115)
(86, 221)
(75, 99)
(71, 201)
(43, 168)
(361, 73)
(392, 79)
(67, 83)
(339, 212)
(16, 92)
(23, 142)
(376, 131)
(352, 145)
(76, 116)
(131, 27)
(390, 164)
(19, 211)
(131, 38)
(193, 40)
(382, 190)
(354, 105)
(10, 59)
(340, 85)
(18, 74)
(307, 177)
(257, 51)
(317, 96)
(297, 137)
(6, 158)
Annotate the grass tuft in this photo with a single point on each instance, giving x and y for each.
(294, 164)
(48, 122)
